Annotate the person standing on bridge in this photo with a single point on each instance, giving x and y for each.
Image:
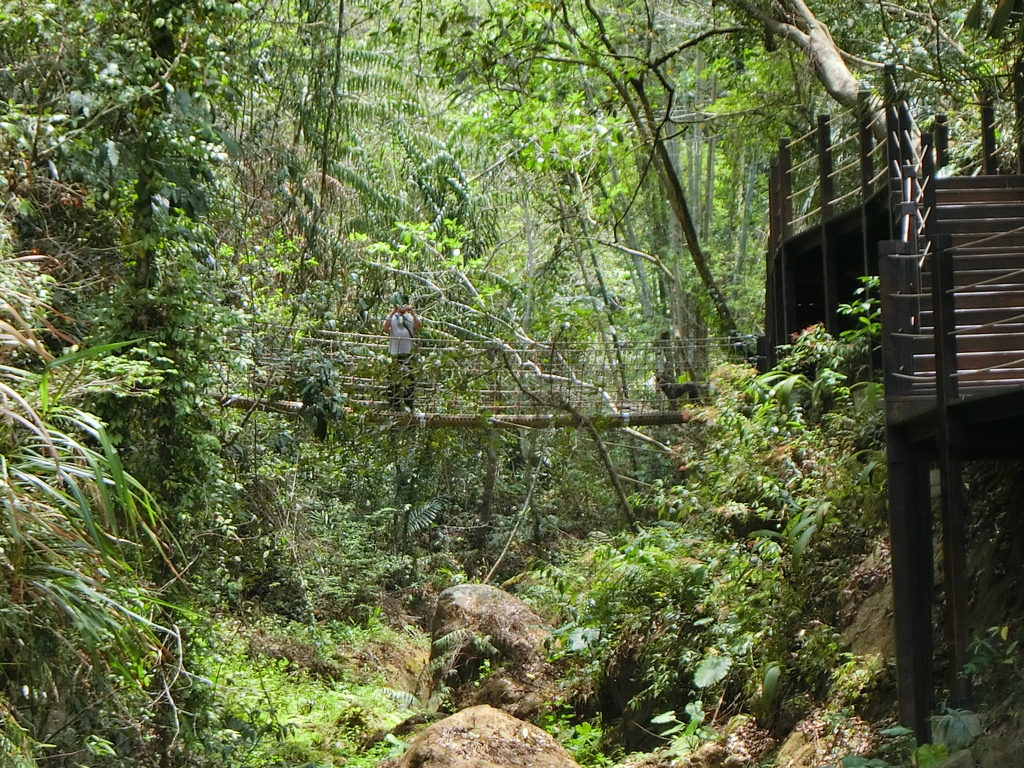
(401, 325)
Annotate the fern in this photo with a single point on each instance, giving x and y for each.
(402, 698)
(453, 649)
(421, 517)
(453, 642)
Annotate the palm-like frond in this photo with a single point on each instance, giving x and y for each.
(421, 516)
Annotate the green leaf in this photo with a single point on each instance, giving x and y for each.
(712, 670)
(896, 731)
(770, 686)
(89, 353)
(930, 755)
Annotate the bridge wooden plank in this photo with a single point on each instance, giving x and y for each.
(974, 183)
(964, 209)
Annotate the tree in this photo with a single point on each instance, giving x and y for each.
(618, 60)
(793, 21)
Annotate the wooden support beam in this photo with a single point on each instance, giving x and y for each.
(954, 527)
(785, 188)
(910, 531)
(941, 133)
(826, 182)
(829, 265)
(785, 214)
(898, 279)
(552, 420)
(776, 291)
(867, 189)
(1018, 111)
(989, 161)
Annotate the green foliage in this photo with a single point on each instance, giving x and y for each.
(734, 595)
(282, 695)
(82, 628)
(991, 650)
(955, 729)
(182, 170)
(584, 740)
(899, 748)
(684, 737)
(448, 665)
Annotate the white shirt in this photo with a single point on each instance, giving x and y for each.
(401, 334)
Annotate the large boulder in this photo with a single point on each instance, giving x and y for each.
(485, 737)
(488, 647)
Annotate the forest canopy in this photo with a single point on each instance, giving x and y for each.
(200, 198)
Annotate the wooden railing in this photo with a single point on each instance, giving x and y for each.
(817, 175)
(818, 184)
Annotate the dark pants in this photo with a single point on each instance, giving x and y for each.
(403, 383)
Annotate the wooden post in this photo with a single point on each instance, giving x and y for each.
(894, 162)
(869, 255)
(786, 228)
(911, 182)
(785, 187)
(906, 128)
(1018, 111)
(825, 166)
(954, 527)
(774, 206)
(895, 280)
(775, 297)
(867, 165)
(910, 531)
(988, 136)
(826, 185)
(910, 520)
(941, 134)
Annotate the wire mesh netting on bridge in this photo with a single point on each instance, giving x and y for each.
(448, 376)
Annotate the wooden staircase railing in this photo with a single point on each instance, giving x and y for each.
(949, 251)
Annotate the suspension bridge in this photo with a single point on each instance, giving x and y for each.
(473, 384)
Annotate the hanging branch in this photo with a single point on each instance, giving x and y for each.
(588, 424)
(527, 506)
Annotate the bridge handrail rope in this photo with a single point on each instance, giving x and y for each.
(843, 198)
(964, 289)
(986, 239)
(962, 372)
(969, 329)
(849, 151)
(855, 163)
(804, 163)
(805, 217)
(803, 190)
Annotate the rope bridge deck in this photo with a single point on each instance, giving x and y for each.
(472, 383)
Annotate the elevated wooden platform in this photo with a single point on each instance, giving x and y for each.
(949, 252)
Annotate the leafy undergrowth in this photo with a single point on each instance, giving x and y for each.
(292, 694)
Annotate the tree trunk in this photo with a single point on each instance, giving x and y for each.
(813, 38)
(644, 119)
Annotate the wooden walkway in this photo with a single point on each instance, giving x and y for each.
(948, 248)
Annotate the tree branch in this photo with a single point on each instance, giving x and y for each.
(677, 49)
